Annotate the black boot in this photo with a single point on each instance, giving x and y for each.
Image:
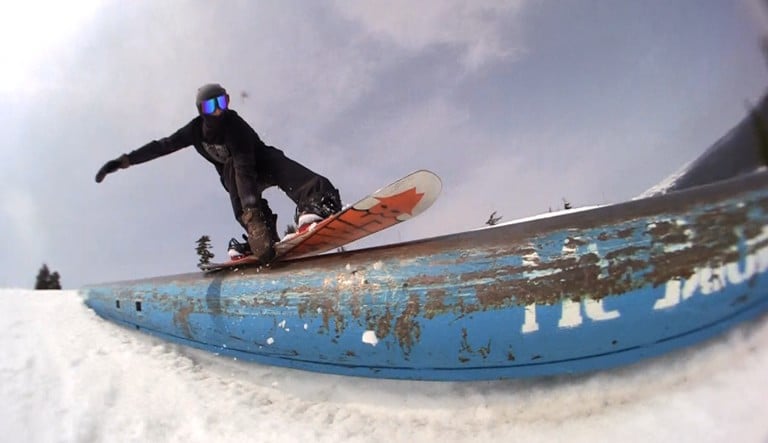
(322, 205)
(237, 249)
(260, 236)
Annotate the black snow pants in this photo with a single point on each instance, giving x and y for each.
(311, 192)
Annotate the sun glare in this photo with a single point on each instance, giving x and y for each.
(34, 29)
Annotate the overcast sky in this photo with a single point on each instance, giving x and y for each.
(515, 104)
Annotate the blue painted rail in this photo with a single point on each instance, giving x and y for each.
(579, 292)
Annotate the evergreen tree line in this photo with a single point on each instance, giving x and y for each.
(47, 279)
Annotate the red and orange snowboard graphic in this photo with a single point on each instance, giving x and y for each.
(390, 205)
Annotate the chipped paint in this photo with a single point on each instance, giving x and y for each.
(576, 292)
(369, 337)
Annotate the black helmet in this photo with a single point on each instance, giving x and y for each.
(205, 105)
(211, 90)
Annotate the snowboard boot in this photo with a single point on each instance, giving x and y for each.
(306, 222)
(323, 206)
(260, 234)
(312, 211)
(238, 250)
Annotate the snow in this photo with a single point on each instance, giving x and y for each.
(68, 375)
(663, 186)
(540, 216)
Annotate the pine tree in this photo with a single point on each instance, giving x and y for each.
(46, 279)
(42, 277)
(53, 282)
(204, 250)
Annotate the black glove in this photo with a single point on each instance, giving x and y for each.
(111, 166)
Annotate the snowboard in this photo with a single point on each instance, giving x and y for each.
(390, 205)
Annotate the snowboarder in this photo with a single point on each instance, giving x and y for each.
(246, 167)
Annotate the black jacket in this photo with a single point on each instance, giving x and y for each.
(220, 140)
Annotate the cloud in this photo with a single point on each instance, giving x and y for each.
(361, 92)
(23, 232)
(477, 168)
(32, 31)
(758, 12)
(474, 25)
(20, 209)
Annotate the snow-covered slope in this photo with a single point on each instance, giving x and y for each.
(68, 375)
(540, 216)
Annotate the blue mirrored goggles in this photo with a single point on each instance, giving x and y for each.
(209, 106)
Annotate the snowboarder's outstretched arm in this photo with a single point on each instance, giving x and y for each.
(152, 150)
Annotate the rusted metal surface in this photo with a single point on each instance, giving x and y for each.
(576, 292)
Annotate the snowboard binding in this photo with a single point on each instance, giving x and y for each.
(237, 250)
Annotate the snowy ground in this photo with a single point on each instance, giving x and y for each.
(68, 375)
